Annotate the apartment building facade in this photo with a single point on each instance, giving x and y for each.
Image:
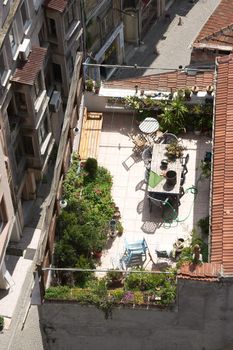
(39, 41)
(104, 36)
(140, 15)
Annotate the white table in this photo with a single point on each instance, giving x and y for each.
(149, 125)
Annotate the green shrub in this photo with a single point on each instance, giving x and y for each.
(91, 167)
(204, 225)
(60, 292)
(82, 276)
(1, 323)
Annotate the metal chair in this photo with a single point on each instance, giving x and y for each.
(147, 156)
(135, 253)
(169, 138)
(158, 200)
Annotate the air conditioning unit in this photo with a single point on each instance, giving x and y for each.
(24, 49)
(55, 101)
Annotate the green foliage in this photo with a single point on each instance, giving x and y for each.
(143, 106)
(60, 292)
(187, 253)
(1, 323)
(95, 291)
(119, 228)
(115, 275)
(174, 150)
(84, 263)
(172, 116)
(163, 285)
(91, 167)
(204, 225)
(89, 85)
(205, 169)
(82, 226)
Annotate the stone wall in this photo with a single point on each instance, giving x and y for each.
(201, 320)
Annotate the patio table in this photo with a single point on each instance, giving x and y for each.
(159, 183)
(149, 125)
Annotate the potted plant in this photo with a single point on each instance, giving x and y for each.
(89, 84)
(97, 87)
(195, 89)
(180, 93)
(209, 89)
(187, 93)
(97, 249)
(174, 150)
(114, 278)
(197, 125)
(119, 228)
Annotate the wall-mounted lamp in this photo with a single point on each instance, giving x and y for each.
(76, 130)
(63, 203)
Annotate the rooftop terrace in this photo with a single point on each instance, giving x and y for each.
(130, 194)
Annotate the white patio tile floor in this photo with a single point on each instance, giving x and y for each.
(129, 193)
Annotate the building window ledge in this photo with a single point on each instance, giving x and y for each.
(72, 29)
(27, 27)
(5, 77)
(45, 144)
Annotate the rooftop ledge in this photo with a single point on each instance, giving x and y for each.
(156, 95)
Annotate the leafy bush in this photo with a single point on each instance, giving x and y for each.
(174, 150)
(204, 225)
(82, 226)
(60, 292)
(91, 167)
(1, 323)
(173, 114)
(187, 253)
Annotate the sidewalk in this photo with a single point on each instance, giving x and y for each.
(172, 41)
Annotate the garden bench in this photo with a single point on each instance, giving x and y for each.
(90, 135)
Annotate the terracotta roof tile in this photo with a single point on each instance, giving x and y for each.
(27, 72)
(218, 30)
(57, 5)
(204, 272)
(165, 81)
(222, 185)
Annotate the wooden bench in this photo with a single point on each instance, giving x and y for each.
(90, 135)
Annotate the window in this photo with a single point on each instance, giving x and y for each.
(57, 72)
(18, 154)
(24, 13)
(2, 65)
(3, 214)
(69, 16)
(70, 65)
(28, 145)
(21, 101)
(107, 25)
(52, 27)
(13, 40)
(43, 130)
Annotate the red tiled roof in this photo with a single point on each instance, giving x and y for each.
(218, 29)
(204, 272)
(222, 183)
(165, 81)
(27, 72)
(57, 5)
